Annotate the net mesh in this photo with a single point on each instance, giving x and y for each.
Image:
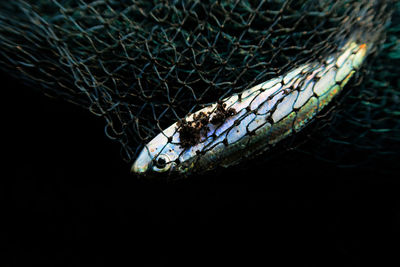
(143, 65)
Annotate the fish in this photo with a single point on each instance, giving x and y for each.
(143, 71)
(248, 123)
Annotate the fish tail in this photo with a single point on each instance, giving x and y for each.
(369, 20)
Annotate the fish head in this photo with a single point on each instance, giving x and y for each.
(160, 155)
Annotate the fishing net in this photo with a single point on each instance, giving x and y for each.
(143, 65)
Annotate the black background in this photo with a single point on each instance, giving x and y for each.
(69, 200)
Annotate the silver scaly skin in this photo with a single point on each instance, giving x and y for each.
(264, 115)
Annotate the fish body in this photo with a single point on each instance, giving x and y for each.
(248, 123)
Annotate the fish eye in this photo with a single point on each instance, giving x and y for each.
(161, 162)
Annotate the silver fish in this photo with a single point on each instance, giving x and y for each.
(248, 123)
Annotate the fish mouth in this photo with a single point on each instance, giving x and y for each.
(139, 170)
(142, 163)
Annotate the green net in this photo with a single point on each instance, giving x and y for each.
(143, 65)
